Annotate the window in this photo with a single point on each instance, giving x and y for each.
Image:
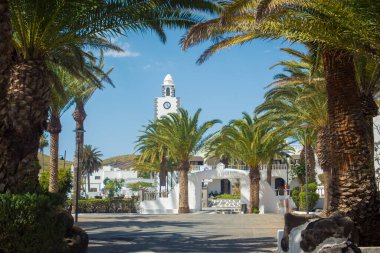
(97, 177)
(93, 189)
(167, 91)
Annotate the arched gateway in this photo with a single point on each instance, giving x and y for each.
(269, 201)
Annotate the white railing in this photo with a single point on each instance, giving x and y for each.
(321, 191)
(153, 195)
(282, 192)
(262, 167)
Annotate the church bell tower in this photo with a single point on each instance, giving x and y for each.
(168, 102)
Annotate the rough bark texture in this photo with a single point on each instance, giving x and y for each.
(23, 122)
(184, 167)
(54, 128)
(323, 151)
(254, 178)
(79, 116)
(310, 162)
(5, 48)
(353, 189)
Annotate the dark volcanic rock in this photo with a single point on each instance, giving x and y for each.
(292, 221)
(337, 226)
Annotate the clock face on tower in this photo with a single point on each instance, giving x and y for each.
(167, 105)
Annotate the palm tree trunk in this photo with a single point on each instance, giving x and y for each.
(88, 182)
(269, 171)
(163, 172)
(254, 176)
(323, 151)
(79, 116)
(310, 162)
(24, 120)
(184, 167)
(5, 48)
(54, 128)
(354, 186)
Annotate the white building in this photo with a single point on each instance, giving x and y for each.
(168, 102)
(97, 179)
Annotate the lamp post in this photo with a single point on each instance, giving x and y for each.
(306, 125)
(78, 132)
(287, 185)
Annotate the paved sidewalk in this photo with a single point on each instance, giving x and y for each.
(199, 232)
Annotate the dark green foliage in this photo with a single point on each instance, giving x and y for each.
(297, 170)
(296, 196)
(139, 186)
(255, 210)
(227, 196)
(65, 180)
(299, 196)
(107, 205)
(30, 223)
(113, 186)
(143, 174)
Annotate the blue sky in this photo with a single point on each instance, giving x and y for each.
(230, 82)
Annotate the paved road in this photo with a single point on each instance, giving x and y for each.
(200, 232)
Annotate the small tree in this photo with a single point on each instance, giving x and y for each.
(138, 186)
(113, 186)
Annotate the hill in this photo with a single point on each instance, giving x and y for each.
(123, 162)
(46, 162)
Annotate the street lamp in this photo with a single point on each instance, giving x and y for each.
(78, 132)
(306, 125)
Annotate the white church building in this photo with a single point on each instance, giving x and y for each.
(205, 180)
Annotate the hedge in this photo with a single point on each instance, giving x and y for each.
(227, 196)
(31, 223)
(106, 205)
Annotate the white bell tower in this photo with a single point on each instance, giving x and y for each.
(168, 102)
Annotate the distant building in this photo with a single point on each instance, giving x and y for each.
(168, 102)
(97, 179)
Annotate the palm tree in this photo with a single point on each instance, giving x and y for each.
(181, 137)
(91, 162)
(251, 145)
(319, 22)
(43, 144)
(61, 101)
(82, 94)
(56, 33)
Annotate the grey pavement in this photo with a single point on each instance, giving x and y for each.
(199, 232)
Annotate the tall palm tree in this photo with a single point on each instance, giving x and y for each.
(82, 94)
(61, 101)
(354, 190)
(92, 162)
(181, 136)
(251, 145)
(56, 33)
(43, 144)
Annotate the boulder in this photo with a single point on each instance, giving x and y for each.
(76, 240)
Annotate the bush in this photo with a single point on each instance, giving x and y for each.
(107, 205)
(31, 223)
(227, 196)
(313, 198)
(65, 180)
(255, 210)
(296, 196)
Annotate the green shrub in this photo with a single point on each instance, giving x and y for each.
(135, 187)
(65, 180)
(313, 198)
(312, 187)
(113, 186)
(296, 196)
(255, 210)
(31, 223)
(227, 196)
(106, 205)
